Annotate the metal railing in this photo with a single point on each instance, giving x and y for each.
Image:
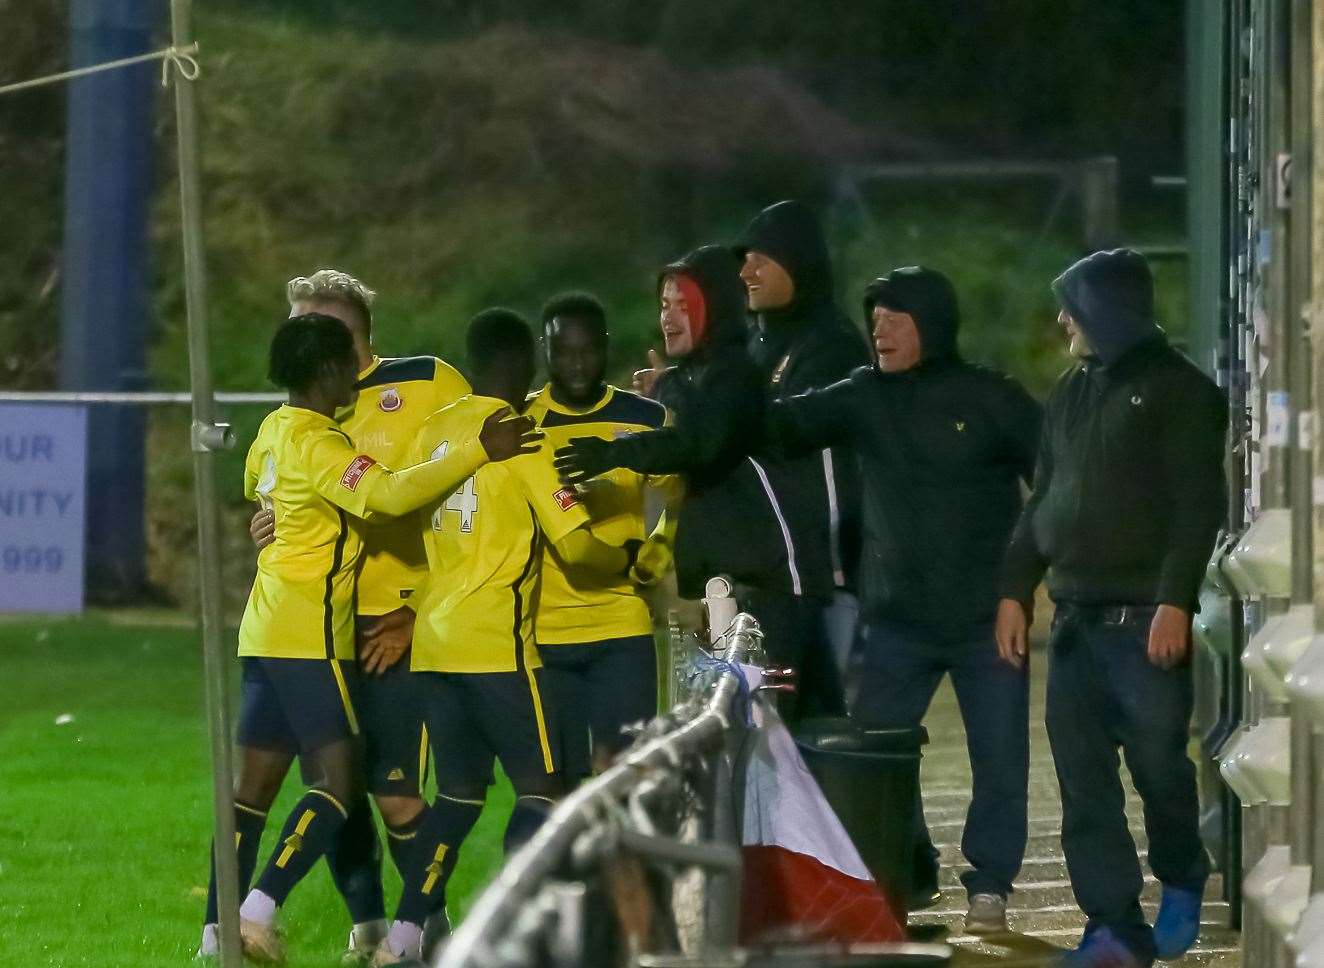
(686, 763)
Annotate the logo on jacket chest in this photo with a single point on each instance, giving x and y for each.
(390, 400)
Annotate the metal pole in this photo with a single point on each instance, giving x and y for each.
(104, 301)
(1313, 175)
(206, 436)
(1297, 304)
(1098, 197)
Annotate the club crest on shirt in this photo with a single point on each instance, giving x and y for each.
(390, 401)
(565, 498)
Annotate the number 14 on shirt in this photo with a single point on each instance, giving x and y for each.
(463, 501)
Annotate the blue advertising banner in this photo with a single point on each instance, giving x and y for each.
(43, 483)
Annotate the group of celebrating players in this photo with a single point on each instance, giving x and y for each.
(413, 533)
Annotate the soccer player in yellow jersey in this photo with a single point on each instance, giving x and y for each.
(296, 639)
(596, 637)
(474, 646)
(393, 398)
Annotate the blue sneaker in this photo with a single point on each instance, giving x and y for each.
(1178, 922)
(1099, 949)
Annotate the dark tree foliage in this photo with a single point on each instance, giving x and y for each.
(1061, 77)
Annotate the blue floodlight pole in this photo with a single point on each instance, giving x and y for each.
(104, 311)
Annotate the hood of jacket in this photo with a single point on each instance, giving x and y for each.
(789, 233)
(1110, 295)
(716, 271)
(927, 295)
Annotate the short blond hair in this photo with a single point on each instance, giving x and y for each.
(331, 285)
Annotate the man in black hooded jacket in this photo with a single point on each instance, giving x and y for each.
(799, 339)
(715, 394)
(943, 445)
(1128, 496)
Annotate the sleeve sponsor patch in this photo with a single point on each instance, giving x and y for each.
(565, 498)
(355, 471)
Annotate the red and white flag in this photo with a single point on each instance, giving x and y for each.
(803, 877)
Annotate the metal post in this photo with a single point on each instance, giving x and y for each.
(722, 903)
(1206, 201)
(1098, 191)
(1302, 366)
(1313, 144)
(206, 437)
(103, 302)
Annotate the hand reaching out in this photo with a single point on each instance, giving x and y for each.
(505, 435)
(583, 458)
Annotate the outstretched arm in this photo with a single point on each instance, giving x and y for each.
(364, 487)
(582, 552)
(729, 421)
(824, 417)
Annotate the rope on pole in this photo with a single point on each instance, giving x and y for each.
(182, 59)
(135, 398)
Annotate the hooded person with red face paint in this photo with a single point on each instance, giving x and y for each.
(716, 394)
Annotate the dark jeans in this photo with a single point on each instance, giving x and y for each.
(1105, 694)
(795, 634)
(900, 669)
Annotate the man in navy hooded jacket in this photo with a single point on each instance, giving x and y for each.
(1128, 497)
(943, 447)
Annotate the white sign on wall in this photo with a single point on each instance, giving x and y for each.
(43, 483)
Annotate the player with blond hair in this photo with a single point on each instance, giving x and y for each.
(393, 396)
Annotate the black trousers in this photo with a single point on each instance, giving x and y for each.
(1104, 695)
(795, 634)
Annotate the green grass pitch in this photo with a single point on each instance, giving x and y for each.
(105, 817)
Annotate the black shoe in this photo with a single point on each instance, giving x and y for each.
(924, 891)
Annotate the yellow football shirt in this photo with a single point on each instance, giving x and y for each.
(394, 397)
(569, 611)
(301, 604)
(484, 548)
(304, 468)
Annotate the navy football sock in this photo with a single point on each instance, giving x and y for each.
(403, 842)
(444, 828)
(311, 829)
(248, 825)
(525, 819)
(355, 859)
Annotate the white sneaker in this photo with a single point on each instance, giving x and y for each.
(262, 942)
(363, 941)
(403, 942)
(210, 948)
(987, 914)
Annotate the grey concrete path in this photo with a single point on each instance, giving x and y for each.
(1042, 910)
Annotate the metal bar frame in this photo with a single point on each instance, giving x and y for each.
(140, 398)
